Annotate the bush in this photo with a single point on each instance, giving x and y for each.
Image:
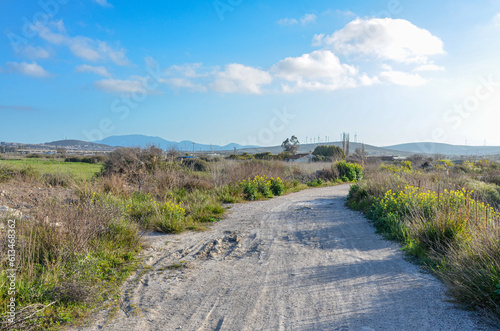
(330, 153)
(349, 171)
(277, 186)
(262, 186)
(86, 159)
(315, 183)
(249, 189)
(196, 164)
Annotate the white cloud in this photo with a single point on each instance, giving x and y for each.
(53, 32)
(388, 39)
(35, 52)
(429, 67)
(98, 70)
(319, 70)
(28, 69)
(185, 83)
(191, 70)
(346, 12)
(304, 20)
(238, 78)
(104, 3)
(121, 86)
(82, 47)
(287, 21)
(308, 18)
(496, 20)
(402, 78)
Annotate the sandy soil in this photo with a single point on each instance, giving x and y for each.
(297, 262)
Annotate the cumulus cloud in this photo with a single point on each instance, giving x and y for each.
(496, 20)
(98, 70)
(104, 3)
(81, 46)
(429, 67)
(35, 52)
(304, 20)
(346, 12)
(288, 21)
(185, 83)
(238, 78)
(388, 39)
(28, 69)
(121, 86)
(402, 78)
(191, 70)
(319, 70)
(308, 18)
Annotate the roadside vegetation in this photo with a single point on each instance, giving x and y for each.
(76, 244)
(446, 215)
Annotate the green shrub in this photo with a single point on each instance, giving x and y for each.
(352, 171)
(262, 186)
(249, 189)
(315, 183)
(277, 186)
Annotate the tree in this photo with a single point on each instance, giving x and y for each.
(330, 153)
(291, 145)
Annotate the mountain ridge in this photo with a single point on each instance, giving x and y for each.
(139, 140)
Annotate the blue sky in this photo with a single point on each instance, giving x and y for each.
(251, 72)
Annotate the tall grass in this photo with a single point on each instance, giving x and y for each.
(68, 256)
(453, 232)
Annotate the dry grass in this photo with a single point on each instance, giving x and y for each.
(453, 231)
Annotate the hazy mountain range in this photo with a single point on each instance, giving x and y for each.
(187, 145)
(137, 140)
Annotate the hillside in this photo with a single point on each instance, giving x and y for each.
(137, 140)
(73, 143)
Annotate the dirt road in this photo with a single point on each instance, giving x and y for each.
(297, 262)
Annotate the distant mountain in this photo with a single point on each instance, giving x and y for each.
(72, 142)
(445, 149)
(137, 140)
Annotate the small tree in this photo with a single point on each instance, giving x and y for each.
(325, 152)
(291, 145)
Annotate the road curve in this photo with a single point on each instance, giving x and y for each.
(297, 262)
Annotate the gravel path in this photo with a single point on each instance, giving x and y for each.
(297, 262)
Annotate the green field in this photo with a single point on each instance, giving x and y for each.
(75, 170)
